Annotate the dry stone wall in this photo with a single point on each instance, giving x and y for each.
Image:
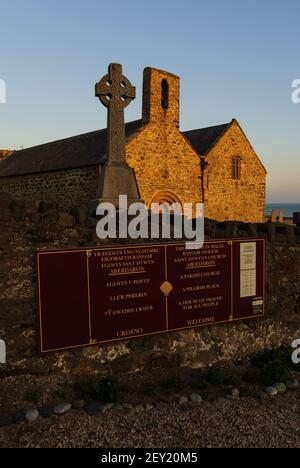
(24, 228)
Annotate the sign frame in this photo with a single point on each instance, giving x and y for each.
(88, 252)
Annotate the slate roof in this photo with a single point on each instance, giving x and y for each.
(204, 138)
(88, 149)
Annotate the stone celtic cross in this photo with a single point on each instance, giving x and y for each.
(116, 93)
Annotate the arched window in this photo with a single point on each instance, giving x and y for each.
(164, 94)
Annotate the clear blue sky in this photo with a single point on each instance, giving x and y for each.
(236, 58)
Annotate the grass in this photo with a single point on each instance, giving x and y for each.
(32, 395)
(84, 389)
(173, 384)
(62, 394)
(152, 390)
(107, 389)
(274, 365)
(216, 376)
(232, 381)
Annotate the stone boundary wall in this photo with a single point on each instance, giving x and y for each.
(5, 153)
(27, 226)
(67, 188)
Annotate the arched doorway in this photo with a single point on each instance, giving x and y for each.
(166, 198)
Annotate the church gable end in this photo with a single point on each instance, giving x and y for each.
(235, 179)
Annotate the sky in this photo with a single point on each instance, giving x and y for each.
(237, 59)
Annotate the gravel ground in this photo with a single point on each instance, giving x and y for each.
(243, 423)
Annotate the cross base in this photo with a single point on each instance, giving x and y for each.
(116, 179)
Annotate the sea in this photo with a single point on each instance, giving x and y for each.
(288, 208)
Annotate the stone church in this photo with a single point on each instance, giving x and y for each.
(216, 165)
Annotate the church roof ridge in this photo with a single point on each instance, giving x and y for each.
(88, 149)
(209, 127)
(203, 139)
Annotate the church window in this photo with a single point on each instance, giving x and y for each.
(165, 94)
(236, 168)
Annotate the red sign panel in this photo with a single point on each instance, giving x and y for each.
(101, 295)
(125, 292)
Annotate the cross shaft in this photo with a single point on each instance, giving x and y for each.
(115, 92)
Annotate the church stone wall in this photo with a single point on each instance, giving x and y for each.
(227, 198)
(66, 188)
(167, 167)
(163, 160)
(165, 163)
